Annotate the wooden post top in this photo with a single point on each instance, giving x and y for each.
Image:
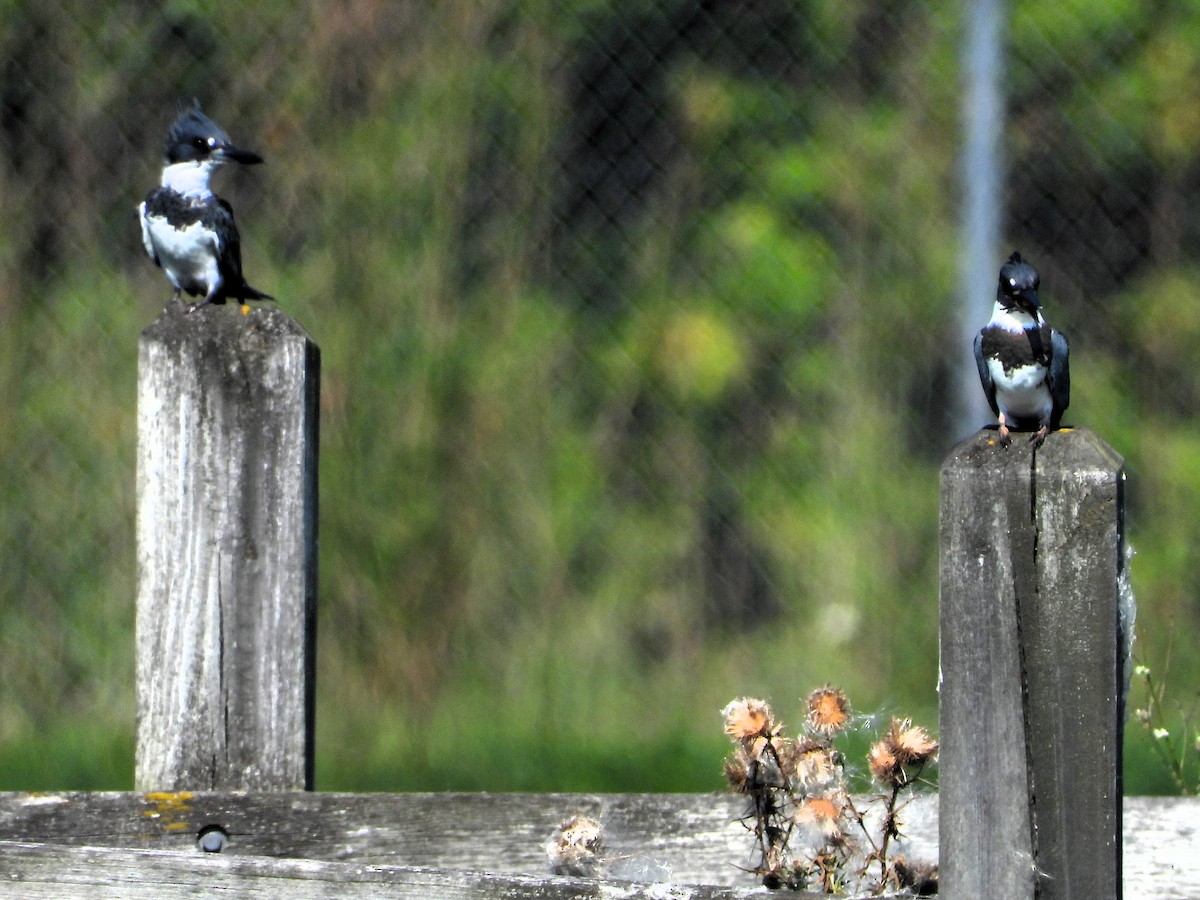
(222, 324)
(1075, 449)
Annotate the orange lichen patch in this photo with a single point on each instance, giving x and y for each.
(167, 804)
(169, 798)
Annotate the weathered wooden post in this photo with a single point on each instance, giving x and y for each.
(1031, 694)
(226, 535)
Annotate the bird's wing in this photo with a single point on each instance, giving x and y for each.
(219, 218)
(1059, 379)
(147, 239)
(985, 374)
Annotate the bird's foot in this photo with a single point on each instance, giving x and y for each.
(1039, 436)
(1005, 437)
(195, 306)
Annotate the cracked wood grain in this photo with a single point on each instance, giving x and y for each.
(1032, 556)
(226, 535)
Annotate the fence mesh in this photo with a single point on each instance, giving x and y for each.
(638, 325)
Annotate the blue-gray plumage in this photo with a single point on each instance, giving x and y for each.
(187, 229)
(1022, 361)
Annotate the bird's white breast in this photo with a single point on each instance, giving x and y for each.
(1022, 392)
(188, 255)
(1013, 319)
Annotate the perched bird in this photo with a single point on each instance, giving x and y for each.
(1022, 361)
(187, 229)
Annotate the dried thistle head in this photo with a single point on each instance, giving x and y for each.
(737, 771)
(884, 764)
(816, 767)
(791, 876)
(822, 817)
(828, 711)
(915, 744)
(786, 752)
(747, 719)
(765, 771)
(575, 849)
(758, 764)
(920, 878)
(902, 747)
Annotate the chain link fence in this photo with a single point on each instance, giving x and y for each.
(639, 334)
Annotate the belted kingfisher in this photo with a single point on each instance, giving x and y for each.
(1022, 361)
(187, 229)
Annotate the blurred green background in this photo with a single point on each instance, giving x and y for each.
(634, 320)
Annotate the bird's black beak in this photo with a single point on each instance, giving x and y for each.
(1028, 301)
(236, 154)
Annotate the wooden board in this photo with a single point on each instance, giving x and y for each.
(450, 845)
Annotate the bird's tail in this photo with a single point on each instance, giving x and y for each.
(245, 292)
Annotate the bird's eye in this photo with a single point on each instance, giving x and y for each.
(199, 143)
(1012, 283)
